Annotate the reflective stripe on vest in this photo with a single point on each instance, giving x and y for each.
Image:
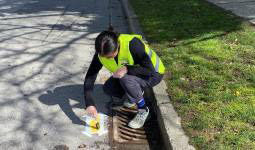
(157, 64)
(150, 53)
(157, 61)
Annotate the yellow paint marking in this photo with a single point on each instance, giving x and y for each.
(93, 123)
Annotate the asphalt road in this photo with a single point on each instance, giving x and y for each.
(242, 8)
(46, 47)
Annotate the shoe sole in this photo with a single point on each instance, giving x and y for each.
(133, 107)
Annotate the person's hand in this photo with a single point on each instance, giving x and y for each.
(120, 72)
(91, 111)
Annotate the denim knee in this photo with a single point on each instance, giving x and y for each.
(126, 79)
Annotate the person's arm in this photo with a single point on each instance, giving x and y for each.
(90, 78)
(140, 57)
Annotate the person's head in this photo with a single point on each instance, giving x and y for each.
(106, 44)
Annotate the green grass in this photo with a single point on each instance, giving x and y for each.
(209, 55)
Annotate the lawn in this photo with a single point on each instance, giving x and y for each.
(209, 55)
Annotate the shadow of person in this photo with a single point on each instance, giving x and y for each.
(62, 95)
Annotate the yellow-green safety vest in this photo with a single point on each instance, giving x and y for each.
(125, 57)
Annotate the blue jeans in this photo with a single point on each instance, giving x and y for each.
(131, 86)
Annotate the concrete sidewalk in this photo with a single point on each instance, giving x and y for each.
(242, 8)
(46, 47)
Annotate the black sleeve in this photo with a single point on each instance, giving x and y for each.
(140, 57)
(90, 78)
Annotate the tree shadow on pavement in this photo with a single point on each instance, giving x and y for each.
(63, 95)
(43, 45)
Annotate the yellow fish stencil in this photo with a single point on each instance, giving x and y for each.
(95, 126)
(93, 123)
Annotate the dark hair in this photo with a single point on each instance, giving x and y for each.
(106, 42)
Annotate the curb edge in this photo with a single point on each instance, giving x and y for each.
(170, 125)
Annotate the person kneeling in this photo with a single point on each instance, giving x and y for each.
(134, 67)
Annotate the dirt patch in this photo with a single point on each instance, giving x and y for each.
(238, 73)
(61, 147)
(190, 85)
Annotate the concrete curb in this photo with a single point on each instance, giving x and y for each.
(169, 122)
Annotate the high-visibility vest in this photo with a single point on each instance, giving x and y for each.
(125, 57)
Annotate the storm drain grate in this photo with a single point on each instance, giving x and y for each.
(123, 134)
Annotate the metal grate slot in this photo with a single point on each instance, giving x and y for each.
(125, 138)
(146, 135)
